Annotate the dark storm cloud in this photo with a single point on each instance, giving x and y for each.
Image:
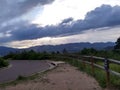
(67, 20)
(104, 16)
(10, 9)
(26, 32)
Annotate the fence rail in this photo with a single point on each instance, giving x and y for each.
(91, 61)
(101, 58)
(109, 61)
(106, 66)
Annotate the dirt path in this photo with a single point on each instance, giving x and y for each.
(64, 77)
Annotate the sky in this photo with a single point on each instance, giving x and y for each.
(27, 23)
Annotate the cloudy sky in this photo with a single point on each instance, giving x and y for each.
(27, 23)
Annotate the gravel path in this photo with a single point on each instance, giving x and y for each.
(64, 77)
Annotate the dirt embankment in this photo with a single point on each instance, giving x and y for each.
(64, 77)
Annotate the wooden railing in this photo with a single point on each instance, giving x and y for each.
(106, 62)
(91, 60)
(106, 66)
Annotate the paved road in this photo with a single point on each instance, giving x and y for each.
(22, 67)
(64, 77)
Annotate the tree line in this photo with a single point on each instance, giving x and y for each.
(32, 55)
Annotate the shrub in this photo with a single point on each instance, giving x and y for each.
(3, 63)
(20, 77)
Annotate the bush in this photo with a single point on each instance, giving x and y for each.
(20, 77)
(28, 55)
(3, 63)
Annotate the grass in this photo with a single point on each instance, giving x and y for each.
(115, 67)
(20, 79)
(112, 66)
(99, 75)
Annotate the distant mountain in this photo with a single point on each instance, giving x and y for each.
(72, 47)
(6, 50)
(109, 48)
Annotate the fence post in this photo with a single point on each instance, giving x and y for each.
(92, 64)
(73, 61)
(84, 62)
(106, 66)
(77, 63)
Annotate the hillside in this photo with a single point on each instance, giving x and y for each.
(71, 47)
(6, 50)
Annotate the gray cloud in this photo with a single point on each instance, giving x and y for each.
(10, 9)
(104, 16)
(67, 20)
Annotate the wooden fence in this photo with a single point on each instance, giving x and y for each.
(91, 60)
(106, 66)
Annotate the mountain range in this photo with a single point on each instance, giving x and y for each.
(71, 47)
(6, 50)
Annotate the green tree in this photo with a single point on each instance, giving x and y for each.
(117, 46)
(88, 51)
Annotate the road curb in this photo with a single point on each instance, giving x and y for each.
(4, 68)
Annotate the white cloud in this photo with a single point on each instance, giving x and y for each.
(61, 9)
(56, 12)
